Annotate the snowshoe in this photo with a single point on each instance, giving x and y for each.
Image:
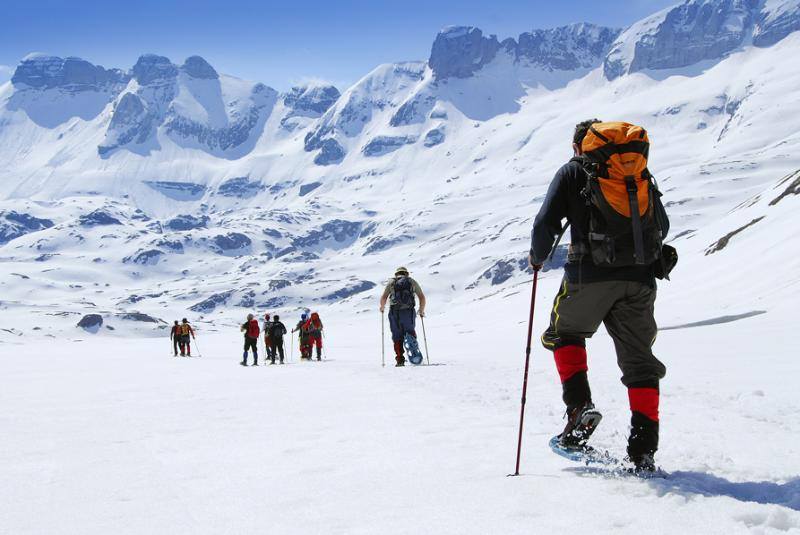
(581, 423)
(412, 350)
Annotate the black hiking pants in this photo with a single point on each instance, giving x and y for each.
(175, 344)
(626, 309)
(250, 343)
(276, 345)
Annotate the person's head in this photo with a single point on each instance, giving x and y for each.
(276, 317)
(176, 322)
(314, 316)
(249, 317)
(581, 129)
(184, 320)
(304, 316)
(266, 316)
(401, 272)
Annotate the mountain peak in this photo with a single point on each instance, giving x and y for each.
(197, 67)
(41, 71)
(151, 67)
(459, 51)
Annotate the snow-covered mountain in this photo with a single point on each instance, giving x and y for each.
(171, 187)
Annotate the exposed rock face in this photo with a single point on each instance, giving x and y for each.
(700, 30)
(459, 51)
(91, 323)
(434, 137)
(13, 225)
(311, 101)
(150, 69)
(187, 222)
(567, 48)
(98, 218)
(331, 153)
(197, 67)
(241, 187)
(776, 20)
(385, 144)
(73, 74)
(131, 123)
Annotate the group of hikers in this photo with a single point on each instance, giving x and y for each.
(309, 330)
(181, 335)
(616, 252)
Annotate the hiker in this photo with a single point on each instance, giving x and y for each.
(251, 332)
(302, 330)
(175, 336)
(314, 328)
(614, 255)
(276, 333)
(400, 292)
(186, 333)
(267, 343)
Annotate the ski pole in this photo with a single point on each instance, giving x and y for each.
(383, 340)
(527, 362)
(291, 354)
(425, 338)
(199, 353)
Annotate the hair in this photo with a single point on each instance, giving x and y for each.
(276, 317)
(581, 129)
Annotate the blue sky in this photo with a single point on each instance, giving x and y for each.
(279, 43)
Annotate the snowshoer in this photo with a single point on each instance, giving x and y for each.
(302, 330)
(314, 328)
(186, 334)
(276, 333)
(175, 336)
(251, 332)
(400, 292)
(267, 343)
(617, 224)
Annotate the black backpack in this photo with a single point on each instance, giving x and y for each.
(276, 330)
(404, 293)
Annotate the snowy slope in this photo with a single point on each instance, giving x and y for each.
(172, 190)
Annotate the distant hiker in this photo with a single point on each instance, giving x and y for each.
(186, 334)
(302, 330)
(400, 292)
(175, 336)
(606, 194)
(276, 333)
(251, 332)
(314, 328)
(267, 343)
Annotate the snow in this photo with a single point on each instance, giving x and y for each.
(124, 437)
(109, 433)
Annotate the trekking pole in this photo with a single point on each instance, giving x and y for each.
(383, 340)
(199, 353)
(425, 338)
(291, 354)
(527, 362)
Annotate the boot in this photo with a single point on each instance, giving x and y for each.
(643, 463)
(398, 351)
(581, 423)
(243, 363)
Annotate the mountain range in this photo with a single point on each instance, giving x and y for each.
(173, 186)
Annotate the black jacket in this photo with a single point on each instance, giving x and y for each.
(565, 201)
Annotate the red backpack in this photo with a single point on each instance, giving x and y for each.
(252, 329)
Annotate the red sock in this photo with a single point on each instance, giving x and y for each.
(644, 401)
(569, 361)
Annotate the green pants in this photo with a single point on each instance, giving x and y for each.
(625, 308)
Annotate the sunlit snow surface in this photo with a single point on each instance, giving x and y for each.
(106, 432)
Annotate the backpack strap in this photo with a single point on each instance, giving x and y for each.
(636, 220)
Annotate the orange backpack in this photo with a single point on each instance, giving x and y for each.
(625, 213)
